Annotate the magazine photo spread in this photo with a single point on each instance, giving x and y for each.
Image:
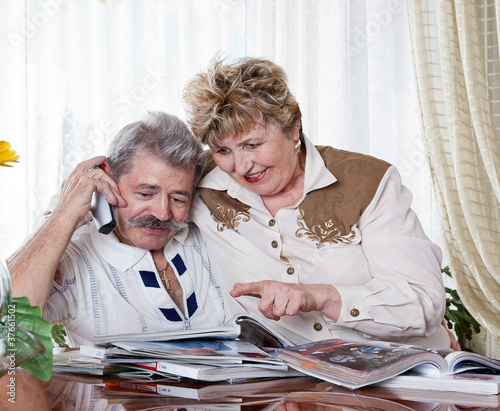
(354, 364)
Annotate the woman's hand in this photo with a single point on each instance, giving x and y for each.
(278, 299)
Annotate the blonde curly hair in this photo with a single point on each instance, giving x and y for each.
(230, 99)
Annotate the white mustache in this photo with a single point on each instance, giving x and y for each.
(150, 221)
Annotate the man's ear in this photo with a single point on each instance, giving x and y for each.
(105, 167)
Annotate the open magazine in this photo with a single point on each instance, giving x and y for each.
(355, 364)
(243, 326)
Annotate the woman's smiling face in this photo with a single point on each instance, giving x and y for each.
(264, 160)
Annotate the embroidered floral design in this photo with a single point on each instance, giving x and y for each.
(229, 219)
(323, 235)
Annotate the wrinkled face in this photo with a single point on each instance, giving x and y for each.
(156, 194)
(263, 160)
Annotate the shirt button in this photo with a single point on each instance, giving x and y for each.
(272, 222)
(318, 327)
(354, 312)
(274, 244)
(290, 270)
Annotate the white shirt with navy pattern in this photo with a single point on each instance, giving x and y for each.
(107, 287)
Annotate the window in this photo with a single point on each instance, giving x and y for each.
(74, 73)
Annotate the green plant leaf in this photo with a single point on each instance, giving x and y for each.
(41, 365)
(457, 316)
(23, 307)
(59, 335)
(34, 324)
(30, 318)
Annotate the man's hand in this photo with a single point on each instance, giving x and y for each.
(278, 299)
(77, 189)
(35, 263)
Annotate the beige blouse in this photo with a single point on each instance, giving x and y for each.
(353, 228)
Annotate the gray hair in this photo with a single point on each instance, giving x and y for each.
(162, 135)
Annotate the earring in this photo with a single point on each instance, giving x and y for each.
(297, 146)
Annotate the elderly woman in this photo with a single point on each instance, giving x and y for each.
(321, 240)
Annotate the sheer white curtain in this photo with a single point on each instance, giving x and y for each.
(74, 72)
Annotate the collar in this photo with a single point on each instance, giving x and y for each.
(316, 176)
(124, 256)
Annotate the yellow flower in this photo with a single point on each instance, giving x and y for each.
(7, 155)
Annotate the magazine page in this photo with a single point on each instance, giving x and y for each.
(197, 349)
(259, 333)
(227, 331)
(244, 326)
(463, 361)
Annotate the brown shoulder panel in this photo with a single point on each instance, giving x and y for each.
(224, 209)
(341, 204)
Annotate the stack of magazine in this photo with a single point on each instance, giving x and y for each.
(248, 349)
(227, 353)
(198, 359)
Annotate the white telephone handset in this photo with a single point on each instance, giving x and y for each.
(103, 213)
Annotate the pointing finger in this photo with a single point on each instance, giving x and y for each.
(250, 289)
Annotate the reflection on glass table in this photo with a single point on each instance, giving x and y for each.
(78, 393)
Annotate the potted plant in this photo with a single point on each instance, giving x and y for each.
(25, 338)
(457, 317)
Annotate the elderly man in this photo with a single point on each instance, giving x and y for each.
(152, 272)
